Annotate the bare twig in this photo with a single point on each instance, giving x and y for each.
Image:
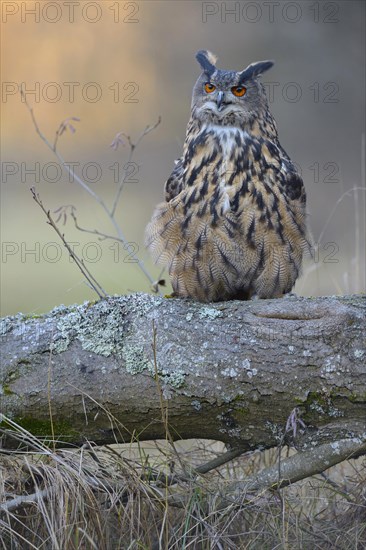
(60, 158)
(65, 124)
(100, 234)
(293, 422)
(80, 263)
(109, 212)
(133, 146)
(219, 461)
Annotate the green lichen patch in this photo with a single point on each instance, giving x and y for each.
(61, 310)
(103, 329)
(359, 353)
(142, 304)
(210, 312)
(320, 405)
(7, 324)
(174, 378)
(136, 361)
(99, 329)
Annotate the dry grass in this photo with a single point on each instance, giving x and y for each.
(120, 497)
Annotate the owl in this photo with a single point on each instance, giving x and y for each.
(233, 222)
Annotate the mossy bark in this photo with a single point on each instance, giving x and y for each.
(231, 371)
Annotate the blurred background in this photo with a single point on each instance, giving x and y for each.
(117, 66)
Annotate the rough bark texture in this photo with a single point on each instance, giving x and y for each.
(231, 371)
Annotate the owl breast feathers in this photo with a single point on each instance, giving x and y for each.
(232, 225)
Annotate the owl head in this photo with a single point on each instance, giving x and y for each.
(228, 97)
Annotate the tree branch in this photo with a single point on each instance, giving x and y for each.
(230, 371)
(297, 467)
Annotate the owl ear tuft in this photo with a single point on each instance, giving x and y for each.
(255, 69)
(207, 60)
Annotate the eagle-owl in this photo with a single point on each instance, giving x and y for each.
(232, 225)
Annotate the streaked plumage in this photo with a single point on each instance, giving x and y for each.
(233, 221)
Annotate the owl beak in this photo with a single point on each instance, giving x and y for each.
(219, 100)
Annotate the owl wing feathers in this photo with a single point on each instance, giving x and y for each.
(205, 260)
(284, 237)
(174, 184)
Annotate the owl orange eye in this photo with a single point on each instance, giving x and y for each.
(239, 91)
(209, 88)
